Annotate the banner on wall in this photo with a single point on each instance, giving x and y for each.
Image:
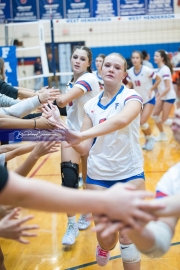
(51, 9)
(78, 9)
(4, 10)
(24, 10)
(104, 8)
(8, 53)
(160, 7)
(132, 7)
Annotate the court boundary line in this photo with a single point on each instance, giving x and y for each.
(39, 166)
(111, 259)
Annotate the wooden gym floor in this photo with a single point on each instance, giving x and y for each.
(46, 252)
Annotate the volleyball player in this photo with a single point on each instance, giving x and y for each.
(166, 94)
(140, 78)
(80, 89)
(111, 136)
(98, 62)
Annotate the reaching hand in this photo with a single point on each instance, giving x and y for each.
(128, 206)
(6, 209)
(70, 136)
(51, 112)
(48, 95)
(44, 148)
(12, 229)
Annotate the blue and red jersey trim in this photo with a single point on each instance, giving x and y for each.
(85, 84)
(160, 194)
(135, 97)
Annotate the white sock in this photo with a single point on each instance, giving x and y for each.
(72, 219)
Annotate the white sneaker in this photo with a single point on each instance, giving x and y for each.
(102, 256)
(149, 145)
(161, 137)
(83, 224)
(71, 234)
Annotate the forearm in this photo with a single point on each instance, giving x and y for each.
(27, 165)
(15, 123)
(8, 147)
(44, 196)
(164, 92)
(81, 148)
(104, 128)
(61, 101)
(19, 151)
(172, 208)
(25, 94)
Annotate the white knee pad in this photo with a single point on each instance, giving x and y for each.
(162, 234)
(178, 99)
(144, 126)
(157, 118)
(129, 253)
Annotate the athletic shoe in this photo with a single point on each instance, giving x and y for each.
(102, 256)
(168, 122)
(149, 145)
(83, 224)
(71, 234)
(161, 137)
(80, 182)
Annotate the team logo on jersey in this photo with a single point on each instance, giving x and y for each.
(116, 105)
(102, 120)
(70, 103)
(92, 111)
(23, 1)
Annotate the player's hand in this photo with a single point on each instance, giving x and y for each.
(11, 228)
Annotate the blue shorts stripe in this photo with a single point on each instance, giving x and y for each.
(108, 184)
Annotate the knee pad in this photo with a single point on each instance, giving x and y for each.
(70, 174)
(130, 253)
(144, 126)
(178, 99)
(157, 118)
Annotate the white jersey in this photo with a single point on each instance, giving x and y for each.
(165, 74)
(142, 81)
(115, 156)
(147, 64)
(100, 80)
(169, 183)
(75, 112)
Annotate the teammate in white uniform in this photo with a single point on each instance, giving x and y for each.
(155, 238)
(98, 62)
(166, 93)
(112, 119)
(82, 88)
(140, 78)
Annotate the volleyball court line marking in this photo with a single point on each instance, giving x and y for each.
(112, 258)
(40, 165)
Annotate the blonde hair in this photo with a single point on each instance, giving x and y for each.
(119, 55)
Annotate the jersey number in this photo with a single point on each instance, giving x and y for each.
(137, 83)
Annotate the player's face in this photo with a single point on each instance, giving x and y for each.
(99, 61)
(176, 126)
(113, 69)
(157, 58)
(136, 59)
(79, 61)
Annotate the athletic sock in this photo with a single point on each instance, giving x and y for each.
(71, 219)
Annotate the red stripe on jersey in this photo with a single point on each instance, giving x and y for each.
(85, 84)
(134, 97)
(152, 75)
(165, 75)
(160, 194)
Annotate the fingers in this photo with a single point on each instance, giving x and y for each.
(111, 229)
(24, 219)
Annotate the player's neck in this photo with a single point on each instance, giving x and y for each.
(77, 75)
(137, 68)
(109, 92)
